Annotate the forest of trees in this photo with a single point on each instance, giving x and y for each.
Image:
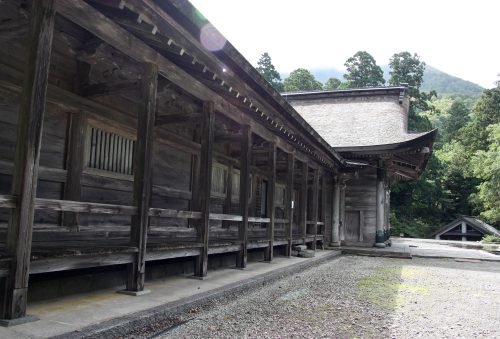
(463, 173)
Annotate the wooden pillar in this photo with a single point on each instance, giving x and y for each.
(289, 201)
(205, 186)
(380, 235)
(323, 204)
(143, 167)
(315, 206)
(74, 166)
(336, 212)
(271, 186)
(246, 152)
(343, 181)
(229, 194)
(29, 135)
(303, 201)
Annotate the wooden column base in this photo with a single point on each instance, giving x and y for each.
(134, 293)
(18, 321)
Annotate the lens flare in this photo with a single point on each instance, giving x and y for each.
(211, 39)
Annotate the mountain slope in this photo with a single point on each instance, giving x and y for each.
(434, 79)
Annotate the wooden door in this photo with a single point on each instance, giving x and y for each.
(352, 225)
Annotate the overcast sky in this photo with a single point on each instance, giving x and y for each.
(459, 37)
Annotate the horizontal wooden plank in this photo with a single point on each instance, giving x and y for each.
(7, 201)
(169, 213)
(256, 219)
(225, 217)
(281, 221)
(76, 262)
(84, 207)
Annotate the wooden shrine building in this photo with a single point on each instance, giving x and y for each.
(132, 133)
(369, 128)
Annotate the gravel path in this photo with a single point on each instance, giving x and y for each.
(358, 297)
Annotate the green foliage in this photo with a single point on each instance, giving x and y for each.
(332, 83)
(406, 68)
(362, 71)
(485, 166)
(269, 72)
(301, 80)
(490, 238)
(458, 117)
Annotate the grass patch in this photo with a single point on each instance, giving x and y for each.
(387, 287)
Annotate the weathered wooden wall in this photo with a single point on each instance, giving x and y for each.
(360, 198)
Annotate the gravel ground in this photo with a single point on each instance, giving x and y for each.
(356, 297)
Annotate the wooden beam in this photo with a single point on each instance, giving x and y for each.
(289, 201)
(246, 153)
(271, 208)
(143, 169)
(303, 201)
(177, 118)
(110, 88)
(315, 206)
(74, 166)
(202, 202)
(29, 137)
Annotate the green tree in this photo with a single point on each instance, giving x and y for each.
(485, 166)
(269, 72)
(458, 118)
(362, 71)
(332, 83)
(301, 80)
(406, 68)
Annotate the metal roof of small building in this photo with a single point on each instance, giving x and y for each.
(472, 221)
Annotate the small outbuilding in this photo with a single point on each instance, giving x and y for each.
(465, 229)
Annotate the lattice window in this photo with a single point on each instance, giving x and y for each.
(235, 188)
(110, 152)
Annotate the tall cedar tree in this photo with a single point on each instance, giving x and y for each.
(301, 80)
(407, 68)
(269, 72)
(362, 71)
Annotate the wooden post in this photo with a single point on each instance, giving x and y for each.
(143, 166)
(271, 185)
(303, 200)
(229, 194)
(336, 212)
(25, 174)
(323, 205)
(289, 202)
(74, 166)
(202, 199)
(315, 206)
(379, 235)
(246, 152)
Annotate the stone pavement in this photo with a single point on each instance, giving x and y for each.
(90, 313)
(430, 248)
(426, 248)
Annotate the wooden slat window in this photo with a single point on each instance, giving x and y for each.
(279, 196)
(219, 174)
(235, 189)
(110, 152)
